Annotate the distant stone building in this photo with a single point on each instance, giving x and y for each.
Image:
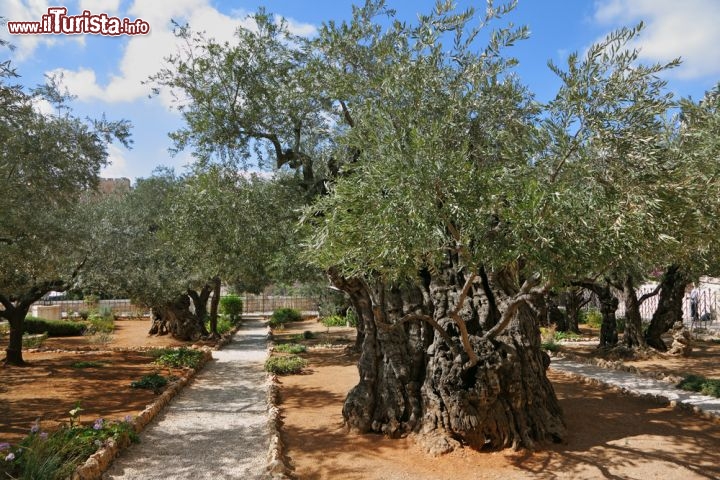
(110, 186)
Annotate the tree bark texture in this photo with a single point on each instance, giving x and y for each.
(16, 319)
(214, 302)
(176, 319)
(669, 310)
(633, 335)
(417, 376)
(574, 301)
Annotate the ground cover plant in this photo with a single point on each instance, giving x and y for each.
(55, 455)
(285, 364)
(178, 357)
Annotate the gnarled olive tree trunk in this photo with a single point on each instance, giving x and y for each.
(451, 358)
(176, 319)
(669, 310)
(633, 335)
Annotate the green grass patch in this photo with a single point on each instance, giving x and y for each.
(698, 383)
(335, 321)
(285, 365)
(177, 357)
(566, 336)
(290, 348)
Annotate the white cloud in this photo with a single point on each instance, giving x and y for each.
(118, 166)
(144, 54)
(42, 106)
(25, 11)
(686, 29)
(96, 7)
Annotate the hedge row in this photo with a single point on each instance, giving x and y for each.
(54, 328)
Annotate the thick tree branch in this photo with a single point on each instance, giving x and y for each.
(650, 294)
(526, 294)
(346, 114)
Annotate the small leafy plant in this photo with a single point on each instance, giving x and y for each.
(153, 381)
(285, 364)
(282, 316)
(698, 383)
(178, 357)
(334, 321)
(33, 341)
(232, 306)
(55, 455)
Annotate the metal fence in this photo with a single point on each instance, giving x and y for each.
(270, 303)
(708, 301)
(124, 307)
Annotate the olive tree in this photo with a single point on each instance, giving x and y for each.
(48, 166)
(445, 201)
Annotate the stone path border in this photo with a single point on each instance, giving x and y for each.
(659, 390)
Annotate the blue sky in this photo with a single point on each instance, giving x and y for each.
(105, 73)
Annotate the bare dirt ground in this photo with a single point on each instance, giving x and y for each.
(52, 384)
(611, 436)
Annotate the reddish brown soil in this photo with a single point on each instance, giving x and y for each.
(611, 436)
(49, 386)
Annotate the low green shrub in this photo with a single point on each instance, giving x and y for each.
(284, 365)
(550, 346)
(54, 328)
(224, 325)
(100, 324)
(153, 381)
(56, 455)
(232, 306)
(34, 340)
(282, 316)
(698, 383)
(290, 348)
(593, 318)
(178, 357)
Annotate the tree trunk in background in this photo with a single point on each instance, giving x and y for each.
(200, 305)
(415, 379)
(555, 316)
(391, 364)
(16, 318)
(214, 302)
(177, 319)
(573, 303)
(608, 307)
(669, 311)
(633, 335)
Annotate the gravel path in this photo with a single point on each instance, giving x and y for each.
(216, 428)
(638, 384)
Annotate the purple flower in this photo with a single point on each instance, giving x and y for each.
(98, 424)
(128, 418)
(10, 457)
(35, 428)
(4, 446)
(43, 435)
